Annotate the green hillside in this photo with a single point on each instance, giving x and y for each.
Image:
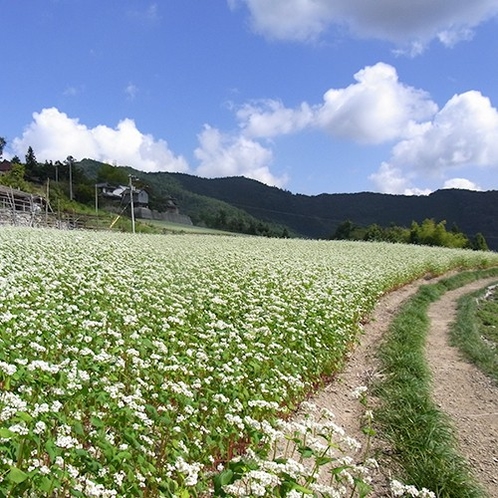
(242, 205)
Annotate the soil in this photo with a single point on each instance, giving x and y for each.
(460, 389)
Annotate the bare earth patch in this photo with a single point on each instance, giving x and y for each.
(462, 391)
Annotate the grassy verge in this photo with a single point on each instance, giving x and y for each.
(169, 227)
(420, 435)
(475, 331)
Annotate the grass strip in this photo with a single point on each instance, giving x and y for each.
(475, 331)
(420, 435)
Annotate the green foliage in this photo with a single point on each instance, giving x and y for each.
(204, 211)
(420, 434)
(234, 220)
(475, 330)
(344, 231)
(31, 162)
(427, 233)
(435, 234)
(479, 243)
(3, 143)
(112, 174)
(15, 178)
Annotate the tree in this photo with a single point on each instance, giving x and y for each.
(15, 177)
(479, 243)
(3, 143)
(30, 157)
(374, 233)
(31, 163)
(112, 174)
(343, 231)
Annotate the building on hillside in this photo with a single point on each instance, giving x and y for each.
(141, 209)
(5, 166)
(109, 191)
(122, 193)
(140, 197)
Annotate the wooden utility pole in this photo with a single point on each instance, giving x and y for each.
(132, 207)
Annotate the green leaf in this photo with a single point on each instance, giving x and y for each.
(225, 477)
(302, 489)
(51, 449)
(5, 433)
(96, 422)
(306, 451)
(78, 429)
(24, 416)
(222, 479)
(323, 460)
(46, 485)
(172, 487)
(16, 475)
(122, 455)
(337, 470)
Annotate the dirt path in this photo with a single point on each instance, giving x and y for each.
(464, 393)
(460, 390)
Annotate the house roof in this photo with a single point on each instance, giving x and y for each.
(5, 165)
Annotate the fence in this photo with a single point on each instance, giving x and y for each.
(22, 209)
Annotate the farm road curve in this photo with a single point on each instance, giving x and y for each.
(460, 389)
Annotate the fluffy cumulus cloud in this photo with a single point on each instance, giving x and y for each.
(429, 145)
(399, 21)
(222, 154)
(375, 109)
(53, 135)
(461, 136)
(461, 183)
(270, 118)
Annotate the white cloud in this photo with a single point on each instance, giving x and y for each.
(287, 19)
(461, 136)
(54, 136)
(131, 91)
(147, 16)
(429, 144)
(226, 155)
(270, 118)
(376, 109)
(461, 183)
(391, 180)
(71, 91)
(399, 21)
(462, 133)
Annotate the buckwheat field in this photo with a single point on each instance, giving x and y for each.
(141, 365)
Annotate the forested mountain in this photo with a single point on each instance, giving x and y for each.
(318, 216)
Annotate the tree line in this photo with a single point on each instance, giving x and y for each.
(66, 179)
(429, 232)
(69, 182)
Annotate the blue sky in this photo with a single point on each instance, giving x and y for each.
(313, 96)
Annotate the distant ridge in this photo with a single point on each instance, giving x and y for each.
(318, 216)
